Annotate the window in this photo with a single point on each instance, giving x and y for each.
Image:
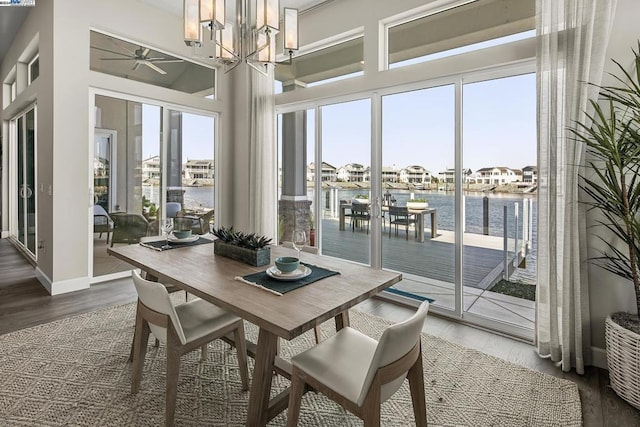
(34, 68)
(133, 61)
(462, 26)
(336, 62)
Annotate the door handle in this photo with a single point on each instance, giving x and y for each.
(376, 208)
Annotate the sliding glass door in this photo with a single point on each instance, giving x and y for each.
(149, 162)
(438, 183)
(418, 147)
(24, 194)
(346, 197)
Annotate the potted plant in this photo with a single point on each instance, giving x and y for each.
(246, 247)
(361, 198)
(417, 204)
(612, 183)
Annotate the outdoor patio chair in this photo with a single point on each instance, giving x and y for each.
(128, 227)
(360, 213)
(359, 373)
(102, 223)
(399, 215)
(182, 328)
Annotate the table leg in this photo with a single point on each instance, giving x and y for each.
(434, 224)
(341, 223)
(257, 413)
(342, 320)
(420, 225)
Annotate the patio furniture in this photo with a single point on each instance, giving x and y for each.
(128, 227)
(201, 221)
(344, 205)
(359, 373)
(101, 221)
(400, 215)
(387, 200)
(182, 328)
(360, 214)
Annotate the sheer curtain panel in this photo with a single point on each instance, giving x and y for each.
(572, 38)
(263, 156)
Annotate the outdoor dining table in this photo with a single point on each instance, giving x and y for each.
(198, 271)
(419, 213)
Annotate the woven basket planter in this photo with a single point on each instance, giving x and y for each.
(252, 257)
(623, 359)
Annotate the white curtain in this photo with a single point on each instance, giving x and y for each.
(263, 156)
(572, 38)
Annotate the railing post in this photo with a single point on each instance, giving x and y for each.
(485, 215)
(530, 237)
(505, 243)
(525, 225)
(516, 234)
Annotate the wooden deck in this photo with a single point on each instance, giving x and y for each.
(431, 259)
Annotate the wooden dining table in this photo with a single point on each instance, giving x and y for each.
(198, 271)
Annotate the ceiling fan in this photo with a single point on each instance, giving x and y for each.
(141, 57)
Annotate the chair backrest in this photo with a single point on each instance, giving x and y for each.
(154, 295)
(360, 208)
(173, 208)
(396, 341)
(398, 210)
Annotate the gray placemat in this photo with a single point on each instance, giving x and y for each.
(279, 287)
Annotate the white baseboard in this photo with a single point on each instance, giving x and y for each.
(599, 357)
(63, 286)
(4, 234)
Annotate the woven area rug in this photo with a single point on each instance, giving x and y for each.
(74, 372)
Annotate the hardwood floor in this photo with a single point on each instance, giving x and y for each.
(25, 303)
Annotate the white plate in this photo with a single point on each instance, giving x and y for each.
(189, 239)
(301, 272)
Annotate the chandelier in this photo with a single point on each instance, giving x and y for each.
(249, 37)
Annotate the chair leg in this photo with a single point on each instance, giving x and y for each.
(141, 338)
(173, 373)
(241, 350)
(371, 407)
(295, 399)
(416, 385)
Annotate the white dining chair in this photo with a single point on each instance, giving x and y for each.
(359, 373)
(183, 328)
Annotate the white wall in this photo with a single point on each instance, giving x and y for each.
(39, 23)
(64, 102)
(608, 292)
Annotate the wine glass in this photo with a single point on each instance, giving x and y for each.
(299, 239)
(167, 228)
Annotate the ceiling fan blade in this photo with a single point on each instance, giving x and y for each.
(145, 52)
(164, 61)
(154, 67)
(137, 64)
(111, 51)
(120, 44)
(116, 59)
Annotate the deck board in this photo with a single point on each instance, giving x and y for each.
(431, 259)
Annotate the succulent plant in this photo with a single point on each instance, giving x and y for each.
(241, 239)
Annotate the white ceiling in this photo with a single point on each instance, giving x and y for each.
(11, 18)
(175, 6)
